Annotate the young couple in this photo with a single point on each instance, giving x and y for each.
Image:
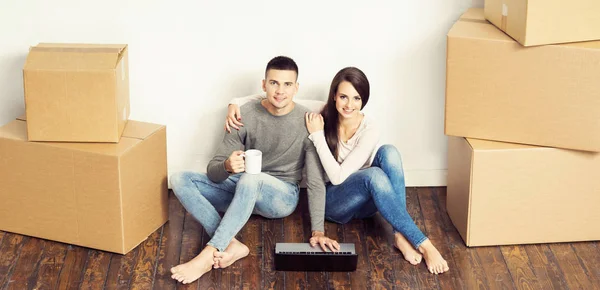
(347, 175)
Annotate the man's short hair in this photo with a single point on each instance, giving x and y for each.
(282, 63)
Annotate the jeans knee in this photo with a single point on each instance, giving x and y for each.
(377, 180)
(390, 153)
(252, 179)
(178, 179)
(280, 210)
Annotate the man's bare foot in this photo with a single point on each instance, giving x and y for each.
(235, 251)
(195, 268)
(410, 254)
(435, 263)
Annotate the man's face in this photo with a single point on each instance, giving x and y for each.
(281, 87)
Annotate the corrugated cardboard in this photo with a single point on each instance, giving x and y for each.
(104, 196)
(537, 22)
(503, 193)
(499, 90)
(76, 92)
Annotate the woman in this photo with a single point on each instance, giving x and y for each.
(363, 179)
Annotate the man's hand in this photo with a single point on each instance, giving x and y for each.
(323, 241)
(233, 118)
(235, 163)
(314, 122)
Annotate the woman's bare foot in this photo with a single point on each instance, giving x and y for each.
(235, 251)
(410, 254)
(435, 263)
(195, 268)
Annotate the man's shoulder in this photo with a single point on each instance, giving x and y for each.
(300, 108)
(250, 106)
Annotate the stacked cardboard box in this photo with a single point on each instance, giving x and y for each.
(522, 160)
(75, 169)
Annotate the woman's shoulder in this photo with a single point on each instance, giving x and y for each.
(368, 123)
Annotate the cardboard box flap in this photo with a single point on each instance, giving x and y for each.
(82, 45)
(479, 144)
(474, 14)
(15, 130)
(474, 27)
(140, 130)
(77, 57)
(471, 25)
(135, 132)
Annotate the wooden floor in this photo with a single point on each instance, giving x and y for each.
(30, 263)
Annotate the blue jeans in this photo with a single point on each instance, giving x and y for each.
(238, 197)
(377, 188)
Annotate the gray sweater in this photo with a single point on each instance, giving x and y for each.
(286, 149)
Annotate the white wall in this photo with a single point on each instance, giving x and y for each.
(188, 58)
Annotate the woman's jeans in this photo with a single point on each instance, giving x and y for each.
(377, 188)
(238, 196)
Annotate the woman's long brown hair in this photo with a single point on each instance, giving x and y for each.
(330, 115)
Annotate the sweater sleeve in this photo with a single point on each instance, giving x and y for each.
(216, 167)
(336, 172)
(315, 188)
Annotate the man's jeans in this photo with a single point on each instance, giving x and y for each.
(377, 188)
(238, 196)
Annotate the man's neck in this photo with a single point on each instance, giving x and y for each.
(277, 111)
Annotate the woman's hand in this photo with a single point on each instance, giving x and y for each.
(314, 122)
(323, 241)
(233, 118)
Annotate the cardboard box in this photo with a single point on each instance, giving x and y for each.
(503, 193)
(499, 90)
(104, 196)
(537, 22)
(76, 92)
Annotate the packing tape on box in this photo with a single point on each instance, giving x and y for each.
(504, 16)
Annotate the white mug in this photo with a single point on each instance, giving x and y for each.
(253, 161)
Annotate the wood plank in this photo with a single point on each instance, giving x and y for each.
(170, 245)
(443, 236)
(494, 268)
(545, 267)
(251, 233)
(120, 270)
(382, 275)
(589, 257)
(9, 254)
(24, 275)
(573, 272)
(272, 234)
(354, 232)
(406, 274)
(145, 267)
(518, 264)
(315, 280)
(336, 280)
(190, 247)
(294, 233)
(96, 270)
(71, 273)
(234, 271)
(51, 265)
(212, 279)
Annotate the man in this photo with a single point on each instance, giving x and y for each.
(275, 126)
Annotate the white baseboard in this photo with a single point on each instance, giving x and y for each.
(424, 178)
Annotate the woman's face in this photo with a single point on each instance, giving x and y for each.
(347, 101)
